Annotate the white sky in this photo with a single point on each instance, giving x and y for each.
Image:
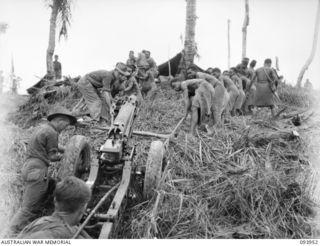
(103, 32)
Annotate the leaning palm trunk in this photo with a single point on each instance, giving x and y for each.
(189, 43)
(52, 38)
(244, 29)
(314, 47)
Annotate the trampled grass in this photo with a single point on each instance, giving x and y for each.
(250, 179)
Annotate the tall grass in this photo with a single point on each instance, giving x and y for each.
(228, 185)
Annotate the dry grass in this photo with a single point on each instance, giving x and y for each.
(12, 150)
(299, 97)
(223, 186)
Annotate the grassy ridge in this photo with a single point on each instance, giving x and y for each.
(229, 185)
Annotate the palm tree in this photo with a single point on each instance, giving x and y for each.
(314, 47)
(61, 12)
(190, 48)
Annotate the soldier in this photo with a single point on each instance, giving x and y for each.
(242, 68)
(199, 99)
(145, 76)
(57, 67)
(152, 64)
(43, 148)
(221, 97)
(238, 82)
(71, 197)
(266, 80)
(251, 88)
(131, 86)
(108, 82)
(132, 59)
(230, 86)
(251, 70)
(243, 73)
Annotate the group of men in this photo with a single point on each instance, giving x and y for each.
(211, 96)
(69, 197)
(136, 77)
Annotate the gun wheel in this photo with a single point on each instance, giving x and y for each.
(153, 169)
(76, 159)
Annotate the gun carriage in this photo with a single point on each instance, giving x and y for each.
(110, 174)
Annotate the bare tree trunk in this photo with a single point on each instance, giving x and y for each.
(229, 52)
(277, 64)
(244, 29)
(314, 47)
(52, 38)
(189, 42)
(14, 84)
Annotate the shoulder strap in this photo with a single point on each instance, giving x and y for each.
(267, 75)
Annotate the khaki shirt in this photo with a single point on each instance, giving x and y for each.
(227, 82)
(237, 81)
(131, 86)
(209, 78)
(131, 62)
(50, 227)
(242, 70)
(265, 74)
(152, 64)
(251, 72)
(42, 142)
(101, 79)
(191, 82)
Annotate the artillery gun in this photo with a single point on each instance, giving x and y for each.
(112, 170)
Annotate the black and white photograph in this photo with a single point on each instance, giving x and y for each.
(159, 119)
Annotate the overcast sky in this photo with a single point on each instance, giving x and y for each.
(103, 31)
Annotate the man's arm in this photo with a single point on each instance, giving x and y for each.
(130, 85)
(52, 146)
(187, 103)
(194, 119)
(54, 156)
(254, 79)
(107, 82)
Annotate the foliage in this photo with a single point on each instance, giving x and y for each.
(297, 96)
(64, 15)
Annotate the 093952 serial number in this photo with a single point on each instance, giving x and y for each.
(309, 241)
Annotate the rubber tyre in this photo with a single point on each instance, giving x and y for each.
(77, 158)
(153, 169)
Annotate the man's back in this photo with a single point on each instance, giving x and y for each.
(50, 227)
(43, 141)
(101, 78)
(209, 78)
(264, 74)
